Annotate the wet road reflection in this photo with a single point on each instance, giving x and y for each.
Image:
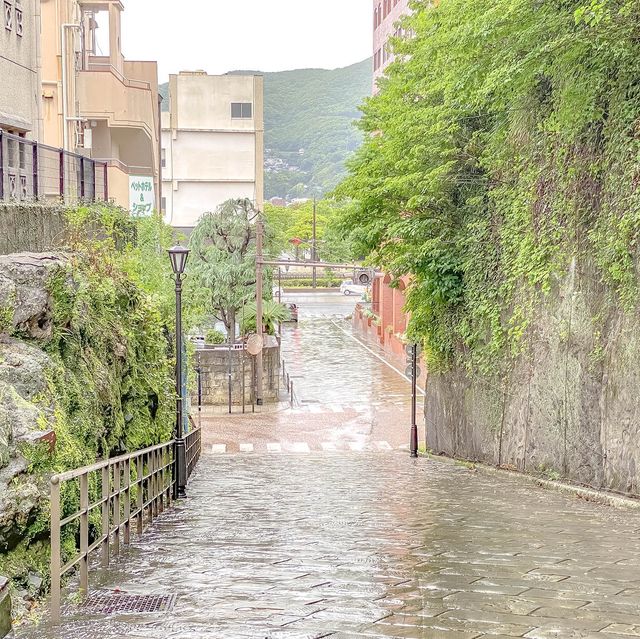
(328, 366)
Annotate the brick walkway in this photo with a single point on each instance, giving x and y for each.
(348, 545)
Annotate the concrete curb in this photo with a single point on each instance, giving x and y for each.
(588, 494)
(5, 607)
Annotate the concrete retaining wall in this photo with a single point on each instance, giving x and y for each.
(31, 227)
(567, 405)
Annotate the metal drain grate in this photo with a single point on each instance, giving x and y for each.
(109, 603)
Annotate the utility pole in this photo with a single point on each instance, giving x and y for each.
(259, 281)
(314, 256)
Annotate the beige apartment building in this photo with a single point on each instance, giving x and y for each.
(20, 111)
(212, 144)
(97, 104)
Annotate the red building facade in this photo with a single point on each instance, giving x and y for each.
(385, 16)
(385, 322)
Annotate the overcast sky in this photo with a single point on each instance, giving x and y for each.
(263, 35)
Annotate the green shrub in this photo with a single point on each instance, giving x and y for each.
(215, 337)
(322, 282)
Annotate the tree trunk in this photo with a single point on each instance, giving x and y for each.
(231, 325)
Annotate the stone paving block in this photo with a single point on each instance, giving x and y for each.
(631, 630)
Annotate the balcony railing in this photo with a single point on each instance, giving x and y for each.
(31, 171)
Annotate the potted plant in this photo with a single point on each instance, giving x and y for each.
(272, 313)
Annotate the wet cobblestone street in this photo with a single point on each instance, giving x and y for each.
(301, 524)
(376, 545)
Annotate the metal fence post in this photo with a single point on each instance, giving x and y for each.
(139, 495)
(127, 502)
(55, 550)
(106, 497)
(106, 182)
(82, 186)
(94, 191)
(35, 167)
(61, 158)
(116, 508)
(84, 534)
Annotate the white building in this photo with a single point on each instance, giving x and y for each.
(212, 144)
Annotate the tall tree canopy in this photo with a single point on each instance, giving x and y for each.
(223, 259)
(503, 143)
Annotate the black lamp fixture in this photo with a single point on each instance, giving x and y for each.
(179, 256)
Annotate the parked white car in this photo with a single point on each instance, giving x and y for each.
(349, 288)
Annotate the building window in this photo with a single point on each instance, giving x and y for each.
(19, 22)
(163, 203)
(375, 18)
(8, 16)
(242, 110)
(163, 158)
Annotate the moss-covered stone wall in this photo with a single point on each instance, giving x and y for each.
(86, 372)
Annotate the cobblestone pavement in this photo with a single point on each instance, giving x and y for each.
(348, 545)
(284, 536)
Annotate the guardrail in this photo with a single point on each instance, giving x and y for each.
(95, 507)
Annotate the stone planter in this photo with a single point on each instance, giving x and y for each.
(5, 608)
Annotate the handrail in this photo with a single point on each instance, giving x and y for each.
(132, 489)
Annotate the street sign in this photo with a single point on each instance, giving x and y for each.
(255, 344)
(409, 372)
(408, 349)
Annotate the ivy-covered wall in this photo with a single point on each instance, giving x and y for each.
(501, 172)
(85, 361)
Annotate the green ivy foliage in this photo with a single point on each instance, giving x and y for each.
(110, 385)
(502, 145)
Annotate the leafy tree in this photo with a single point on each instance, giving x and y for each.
(502, 144)
(296, 221)
(223, 259)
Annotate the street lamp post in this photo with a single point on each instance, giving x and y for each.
(179, 256)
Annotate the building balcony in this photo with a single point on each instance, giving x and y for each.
(106, 93)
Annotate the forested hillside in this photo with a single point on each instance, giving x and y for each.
(309, 130)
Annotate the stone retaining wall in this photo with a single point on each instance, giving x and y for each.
(215, 364)
(567, 405)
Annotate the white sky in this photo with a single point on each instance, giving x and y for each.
(263, 35)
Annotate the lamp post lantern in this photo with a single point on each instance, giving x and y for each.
(179, 256)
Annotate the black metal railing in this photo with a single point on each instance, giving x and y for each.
(33, 171)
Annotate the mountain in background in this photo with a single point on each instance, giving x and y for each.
(309, 126)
